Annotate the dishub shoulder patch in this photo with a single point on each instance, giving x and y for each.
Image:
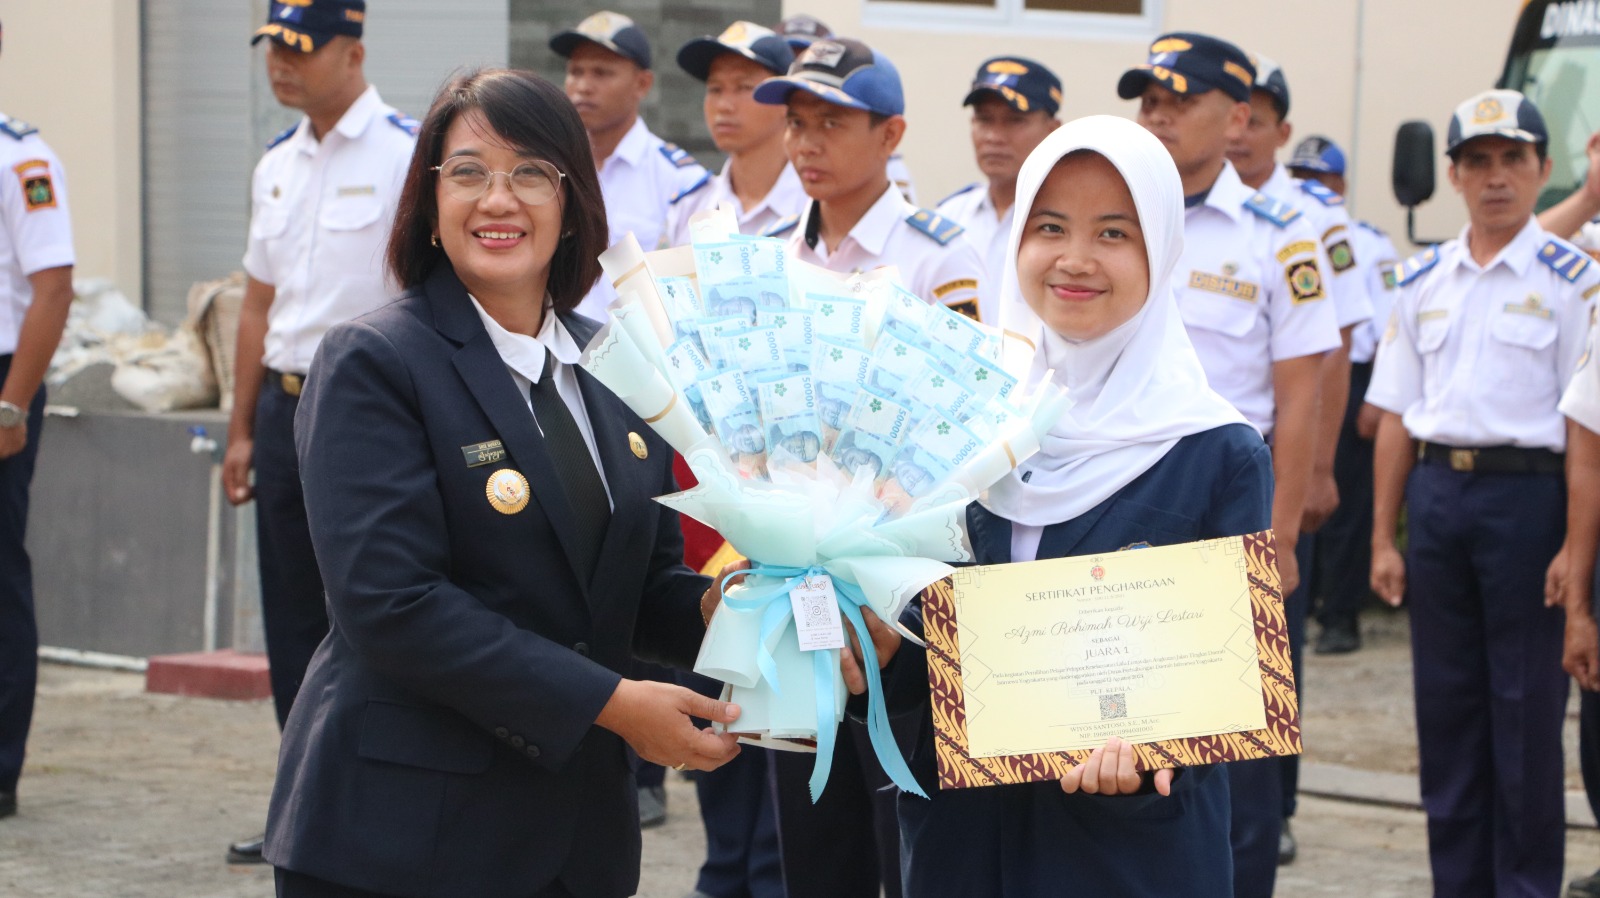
(703, 181)
(1275, 211)
(1321, 193)
(405, 123)
(16, 128)
(1416, 266)
(936, 227)
(781, 226)
(283, 135)
(677, 155)
(1564, 259)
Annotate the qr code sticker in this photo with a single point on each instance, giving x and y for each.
(1113, 706)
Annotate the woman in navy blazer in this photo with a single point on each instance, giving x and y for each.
(463, 729)
(1148, 455)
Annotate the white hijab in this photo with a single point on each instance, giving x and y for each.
(1136, 390)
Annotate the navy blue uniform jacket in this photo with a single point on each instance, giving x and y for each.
(443, 742)
(1035, 841)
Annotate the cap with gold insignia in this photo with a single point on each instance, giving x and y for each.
(305, 25)
(843, 71)
(801, 29)
(762, 46)
(1189, 63)
(1025, 85)
(611, 30)
(1271, 81)
(1496, 113)
(1317, 154)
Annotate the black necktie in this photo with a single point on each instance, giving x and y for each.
(574, 467)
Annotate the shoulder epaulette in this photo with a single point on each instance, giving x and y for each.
(1416, 266)
(1321, 193)
(283, 135)
(781, 226)
(1373, 228)
(701, 182)
(939, 229)
(1564, 259)
(677, 155)
(405, 123)
(16, 128)
(967, 189)
(1275, 211)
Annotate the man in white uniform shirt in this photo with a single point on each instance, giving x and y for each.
(1251, 292)
(757, 180)
(35, 293)
(608, 76)
(1485, 335)
(1014, 104)
(322, 200)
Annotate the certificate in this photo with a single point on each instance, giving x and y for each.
(1181, 650)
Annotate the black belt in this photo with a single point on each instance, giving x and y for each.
(1492, 459)
(289, 383)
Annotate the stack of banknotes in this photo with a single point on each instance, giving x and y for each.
(836, 424)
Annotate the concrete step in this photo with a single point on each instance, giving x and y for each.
(224, 674)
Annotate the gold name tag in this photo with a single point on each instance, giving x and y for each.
(483, 453)
(1216, 283)
(1432, 314)
(361, 190)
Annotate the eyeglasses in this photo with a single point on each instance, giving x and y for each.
(465, 178)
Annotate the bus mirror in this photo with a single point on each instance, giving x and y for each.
(1413, 163)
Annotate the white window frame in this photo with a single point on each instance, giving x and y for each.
(1012, 17)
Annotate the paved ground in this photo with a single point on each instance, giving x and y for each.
(135, 796)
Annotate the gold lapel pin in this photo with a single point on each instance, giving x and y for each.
(636, 443)
(507, 491)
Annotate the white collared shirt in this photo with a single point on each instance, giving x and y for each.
(989, 234)
(950, 272)
(786, 198)
(35, 227)
(1376, 255)
(1341, 257)
(524, 359)
(319, 225)
(1241, 308)
(1479, 356)
(638, 182)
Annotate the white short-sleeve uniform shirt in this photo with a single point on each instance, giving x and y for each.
(320, 216)
(37, 229)
(1477, 356)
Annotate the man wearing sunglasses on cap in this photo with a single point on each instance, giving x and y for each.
(322, 199)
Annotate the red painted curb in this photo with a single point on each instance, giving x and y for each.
(224, 674)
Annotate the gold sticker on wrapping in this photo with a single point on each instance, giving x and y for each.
(507, 491)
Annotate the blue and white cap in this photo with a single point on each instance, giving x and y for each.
(611, 30)
(1270, 81)
(1496, 113)
(762, 46)
(843, 71)
(1317, 154)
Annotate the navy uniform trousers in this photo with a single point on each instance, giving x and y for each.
(1589, 729)
(1343, 565)
(294, 611)
(19, 632)
(1486, 666)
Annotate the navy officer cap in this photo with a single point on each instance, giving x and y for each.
(1189, 63)
(842, 71)
(305, 25)
(761, 46)
(1025, 85)
(1496, 113)
(1270, 81)
(610, 30)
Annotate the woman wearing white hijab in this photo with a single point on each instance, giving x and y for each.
(1148, 455)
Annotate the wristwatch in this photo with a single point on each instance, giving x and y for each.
(11, 414)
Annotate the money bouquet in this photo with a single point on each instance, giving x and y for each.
(838, 427)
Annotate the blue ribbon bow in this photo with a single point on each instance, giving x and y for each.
(775, 618)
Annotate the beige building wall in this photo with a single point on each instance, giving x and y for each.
(1356, 69)
(71, 68)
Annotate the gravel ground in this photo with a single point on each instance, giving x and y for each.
(134, 795)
